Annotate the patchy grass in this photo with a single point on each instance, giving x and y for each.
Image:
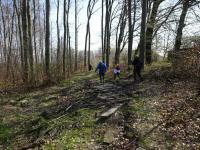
(78, 133)
(6, 133)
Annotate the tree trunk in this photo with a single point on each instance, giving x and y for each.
(76, 38)
(4, 33)
(20, 33)
(150, 28)
(102, 35)
(25, 39)
(181, 25)
(89, 36)
(68, 38)
(120, 28)
(109, 4)
(143, 32)
(130, 34)
(34, 31)
(30, 42)
(10, 40)
(58, 37)
(47, 40)
(64, 38)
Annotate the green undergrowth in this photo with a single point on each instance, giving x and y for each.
(6, 133)
(78, 132)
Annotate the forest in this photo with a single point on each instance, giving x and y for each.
(100, 74)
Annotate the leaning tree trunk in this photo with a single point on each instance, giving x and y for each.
(150, 28)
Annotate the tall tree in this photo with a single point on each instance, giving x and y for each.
(25, 39)
(69, 66)
(64, 38)
(76, 37)
(58, 36)
(181, 25)
(34, 31)
(47, 40)
(18, 12)
(143, 31)
(120, 34)
(30, 47)
(150, 28)
(10, 41)
(4, 32)
(107, 34)
(130, 32)
(102, 31)
(90, 11)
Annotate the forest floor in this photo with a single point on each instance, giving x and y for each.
(162, 112)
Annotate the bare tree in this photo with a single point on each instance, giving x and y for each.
(150, 28)
(47, 40)
(120, 34)
(181, 25)
(30, 42)
(90, 11)
(143, 31)
(58, 36)
(25, 39)
(76, 36)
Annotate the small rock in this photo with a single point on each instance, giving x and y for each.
(24, 103)
(13, 102)
(140, 148)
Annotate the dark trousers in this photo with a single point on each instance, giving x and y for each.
(101, 76)
(116, 75)
(137, 73)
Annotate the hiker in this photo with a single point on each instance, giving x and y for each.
(90, 67)
(102, 68)
(117, 72)
(137, 68)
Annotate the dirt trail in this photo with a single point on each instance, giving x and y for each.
(38, 116)
(72, 115)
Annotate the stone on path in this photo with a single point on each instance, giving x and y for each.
(110, 111)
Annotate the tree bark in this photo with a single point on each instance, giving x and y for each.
(64, 39)
(30, 42)
(102, 31)
(34, 31)
(130, 34)
(76, 37)
(143, 32)
(47, 40)
(181, 25)
(25, 39)
(150, 28)
(58, 37)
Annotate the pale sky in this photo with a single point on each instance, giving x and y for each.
(96, 24)
(82, 19)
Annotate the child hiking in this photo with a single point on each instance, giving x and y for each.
(117, 72)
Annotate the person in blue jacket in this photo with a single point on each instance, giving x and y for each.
(102, 68)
